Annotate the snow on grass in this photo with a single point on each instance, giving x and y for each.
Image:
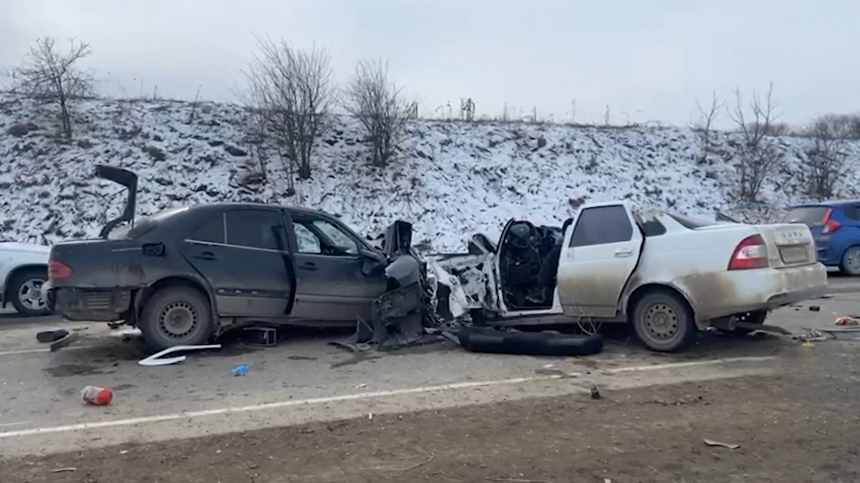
(452, 179)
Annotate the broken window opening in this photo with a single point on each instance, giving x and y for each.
(528, 264)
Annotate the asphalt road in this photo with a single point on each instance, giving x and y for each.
(305, 379)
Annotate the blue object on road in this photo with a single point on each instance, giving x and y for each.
(835, 225)
(240, 370)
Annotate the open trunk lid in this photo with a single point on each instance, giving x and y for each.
(125, 178)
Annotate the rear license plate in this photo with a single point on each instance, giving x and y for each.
(794, 254)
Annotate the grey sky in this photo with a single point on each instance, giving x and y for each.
(646, 59)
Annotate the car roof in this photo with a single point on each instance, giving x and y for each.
(227, 205)
(827, 204)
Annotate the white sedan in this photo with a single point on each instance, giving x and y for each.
(667, 275)
(23, 273)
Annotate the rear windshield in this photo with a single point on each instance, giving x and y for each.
(143, 225)
(808, 215)
(691, 223)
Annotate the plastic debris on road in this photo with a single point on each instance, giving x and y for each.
(240, 370)
(711, 442)
(157, 359)
(848, 320)
(96, 396)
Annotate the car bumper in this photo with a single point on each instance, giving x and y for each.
(765, 289)
(828, 253)
(96, 305)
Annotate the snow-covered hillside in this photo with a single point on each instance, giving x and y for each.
(452, 178)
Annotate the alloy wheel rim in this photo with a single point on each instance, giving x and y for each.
(30, 294)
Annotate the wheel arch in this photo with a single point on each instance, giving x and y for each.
(845, 249)
(647, 288)
(143, 295)
(6, 295)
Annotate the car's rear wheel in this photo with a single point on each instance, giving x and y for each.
(26, 294)
(851, 262)
(664, 322)
(176, 315)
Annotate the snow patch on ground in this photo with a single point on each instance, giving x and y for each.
(452, 179)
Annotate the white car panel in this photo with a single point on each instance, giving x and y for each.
(597, 281)
(591, 278)
(17, 255)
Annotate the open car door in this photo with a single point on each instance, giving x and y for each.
(599, 255)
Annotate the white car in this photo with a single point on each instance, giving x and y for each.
(23, 273)
(668, 275)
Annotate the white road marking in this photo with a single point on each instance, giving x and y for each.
(342, 398)
(678, 365)
(39, 351)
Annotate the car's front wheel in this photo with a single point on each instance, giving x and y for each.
(664, 322)
(26, 294)
(176, 315)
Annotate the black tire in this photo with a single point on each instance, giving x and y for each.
(850, 263)
(485, 339)
(176, 315)
(20, 292)
(664, 322)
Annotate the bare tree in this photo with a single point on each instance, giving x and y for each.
(290, 93)
(375, 100)
(54, 77)
(826, 159)
(705, 125)
(759, 155)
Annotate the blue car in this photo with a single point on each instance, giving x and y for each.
(835, 225)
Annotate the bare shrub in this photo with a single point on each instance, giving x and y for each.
(375, 100)
(54, 77)
(826, 159)
(843, 126)
(705, 125)
(758, 153)
(290, 93)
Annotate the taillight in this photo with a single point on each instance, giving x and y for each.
(750, 253)
(58, 270)
(829, 225)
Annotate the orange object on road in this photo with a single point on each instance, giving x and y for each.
(97, 396)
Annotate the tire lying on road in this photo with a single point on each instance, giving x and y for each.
(176, 315)
(24, 291)
(531, 343)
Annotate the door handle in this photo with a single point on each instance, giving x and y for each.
(309, 266)
(623, 252)
(206, 256)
